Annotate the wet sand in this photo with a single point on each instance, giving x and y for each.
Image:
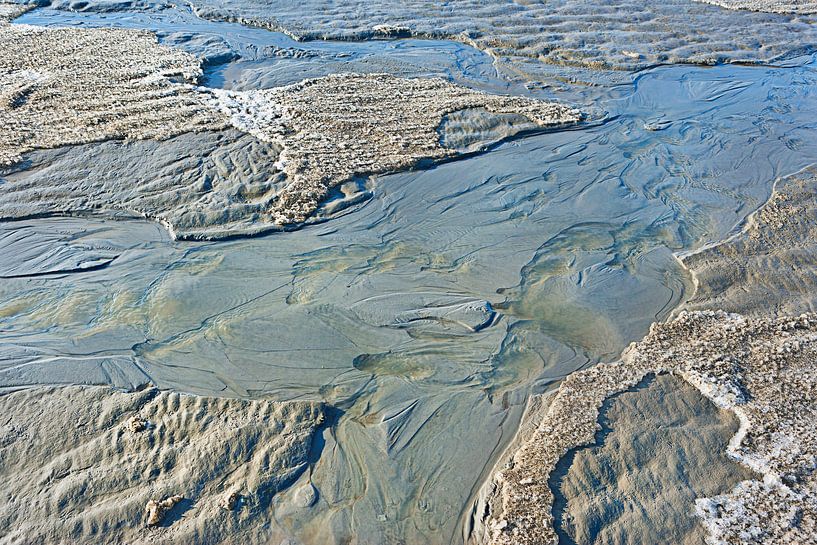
(661, 445)
(768, 268)
(320, 133)
(82, 464)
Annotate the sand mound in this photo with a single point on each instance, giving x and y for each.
(661, 446)
(12, 11)
(91, 464)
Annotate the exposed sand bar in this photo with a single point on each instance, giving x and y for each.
(334, 128)
(617, 34)
(11, 11)
(61, 86)
(54, 91)
(241, 58)
(761, 369)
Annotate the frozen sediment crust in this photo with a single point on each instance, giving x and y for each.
(9, 11)
(63, 86)
(82, 464)
(769, 266)
(762, 369)
(761, 364)
(338, 127)
(473, 129)
(661, 446)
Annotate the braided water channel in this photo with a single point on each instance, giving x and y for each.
(426, 312)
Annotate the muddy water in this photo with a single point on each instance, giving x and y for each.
(429, 307)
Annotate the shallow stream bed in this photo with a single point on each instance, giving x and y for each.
(426, 310)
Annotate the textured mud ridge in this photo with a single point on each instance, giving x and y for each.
(334, 128)
(760, 367)
(11, 11)
(771, 6)
(769, 267)
(90, 464)
(619, 34)
(314, 135)
(661, 445)
(72, 86)
(241, 58)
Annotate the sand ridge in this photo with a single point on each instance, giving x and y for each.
(337, 127)
(63, 86)
(10, 11)
(72, 86)
(81, 462)
(661, 446)
(766, 268)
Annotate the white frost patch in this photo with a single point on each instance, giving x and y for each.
(251, 112)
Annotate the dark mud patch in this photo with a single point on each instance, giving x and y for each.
(661, 446)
